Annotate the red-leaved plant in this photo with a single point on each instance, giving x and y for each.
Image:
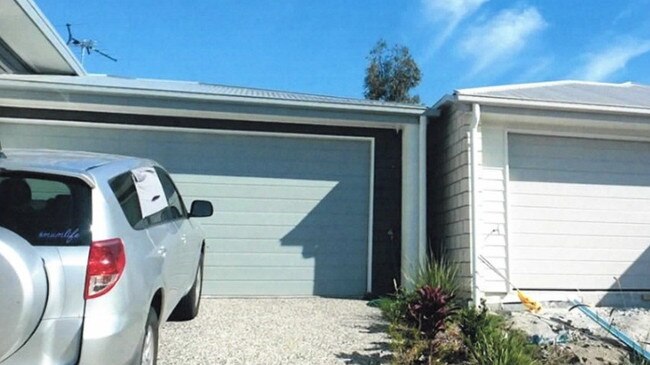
(429, 311)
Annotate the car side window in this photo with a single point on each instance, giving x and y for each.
(174, 199)
(124, 189)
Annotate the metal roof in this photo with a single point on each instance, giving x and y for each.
(198, 89)
(625, 95)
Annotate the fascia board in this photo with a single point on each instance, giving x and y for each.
(523, 117)
(507, 102)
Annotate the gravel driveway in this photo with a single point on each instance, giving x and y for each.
(277, 331)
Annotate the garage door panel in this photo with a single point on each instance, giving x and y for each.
(279, 233)
(580, 228)
(279, 259)
(259, 287)
(577, 267)
(577, 241)
(561, 254)
(303, 200)
(244, 181)
(314, 194)
(272, 205)
(594, 167)
(275, 274)
(288, 288)
(576, 215)
(580, 177)
(579, 212)
(583, 190)
(552, 200)
(532, 146)
(273, 246)
(262, 273)
(278, 219)
(583, 282)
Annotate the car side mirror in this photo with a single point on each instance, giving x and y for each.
(201, 208)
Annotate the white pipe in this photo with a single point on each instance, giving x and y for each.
(476, 114)
(423, 192)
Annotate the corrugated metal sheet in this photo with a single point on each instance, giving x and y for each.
(196, 88)
(572, 92)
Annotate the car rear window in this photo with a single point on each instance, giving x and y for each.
(46, 210)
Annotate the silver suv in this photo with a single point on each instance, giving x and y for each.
(95, 252)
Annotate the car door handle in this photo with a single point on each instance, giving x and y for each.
(162, 251)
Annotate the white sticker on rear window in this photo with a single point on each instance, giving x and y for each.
(150, 191)
(69, 235)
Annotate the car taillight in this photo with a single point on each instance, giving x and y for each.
(106, 262)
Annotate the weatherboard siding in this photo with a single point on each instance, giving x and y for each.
(450, 197)
(491, 207)
(448, 191)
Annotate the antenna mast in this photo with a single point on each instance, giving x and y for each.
(85, 46)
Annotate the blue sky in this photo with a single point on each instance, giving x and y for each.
(321, 46)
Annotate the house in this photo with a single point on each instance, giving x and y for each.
(548, 181)
(313, 195)
(319, 195)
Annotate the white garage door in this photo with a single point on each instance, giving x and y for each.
(291, 213)
(579, 213)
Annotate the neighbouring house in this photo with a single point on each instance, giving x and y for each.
(313, 195)
(548, 181)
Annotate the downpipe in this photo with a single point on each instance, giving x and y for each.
(476, 119)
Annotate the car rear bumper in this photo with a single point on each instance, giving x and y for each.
(55, 341)
(114, 339)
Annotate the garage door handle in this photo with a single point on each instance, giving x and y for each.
(162, 251)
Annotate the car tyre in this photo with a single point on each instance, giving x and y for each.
(149, 354)
(188, 308)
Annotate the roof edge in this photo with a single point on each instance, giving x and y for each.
(15, 82)
(535, 104)
(486, 89)
(52, 37)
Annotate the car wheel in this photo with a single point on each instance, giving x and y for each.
(150, 340)
(188, 308)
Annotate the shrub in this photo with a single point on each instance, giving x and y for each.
(416, 317)
(502, 348)
(438, 273)
(489, 342)
(394, 308)
(473, 322)
(429, 311)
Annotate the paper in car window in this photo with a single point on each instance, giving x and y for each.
(150, 191)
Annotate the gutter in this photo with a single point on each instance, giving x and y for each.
(476, 119)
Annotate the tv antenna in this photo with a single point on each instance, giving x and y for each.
(86, 46)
